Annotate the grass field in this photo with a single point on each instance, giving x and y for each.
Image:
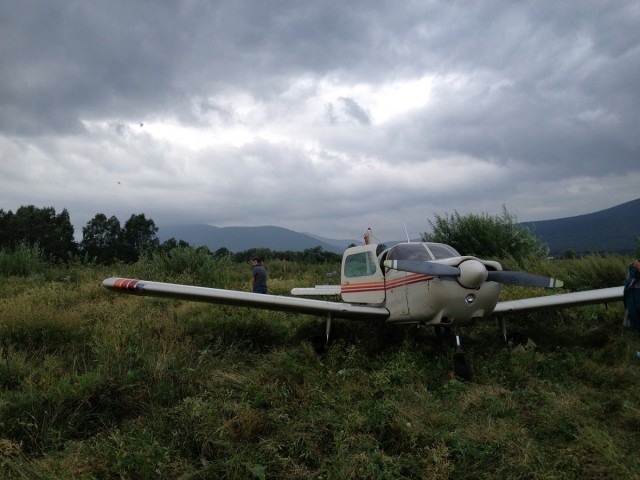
(100, 385)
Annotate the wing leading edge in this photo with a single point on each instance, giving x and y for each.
(586, 297)
(247, 299)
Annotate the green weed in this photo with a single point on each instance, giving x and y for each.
(99, 385)
(24, 260)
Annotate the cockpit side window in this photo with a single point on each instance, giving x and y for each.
(360, 265)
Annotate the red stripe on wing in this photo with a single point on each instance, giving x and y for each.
(125, 283)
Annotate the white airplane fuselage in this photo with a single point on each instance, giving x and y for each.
(438, 302)
(413, 297)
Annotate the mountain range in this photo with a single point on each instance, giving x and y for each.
(614, 230)
(239, 239)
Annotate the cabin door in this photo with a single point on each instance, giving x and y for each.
(362, 279)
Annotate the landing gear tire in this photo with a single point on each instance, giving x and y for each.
(514, 339)
(461, 366)
(319, 344)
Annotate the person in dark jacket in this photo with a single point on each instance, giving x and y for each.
(631, 298)
(259, 276)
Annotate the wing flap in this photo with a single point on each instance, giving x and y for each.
(246, 299)
(548, 302)
(319, 290)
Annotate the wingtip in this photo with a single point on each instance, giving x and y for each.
(120, 283)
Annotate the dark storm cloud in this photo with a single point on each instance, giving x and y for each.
(66, 60)
(178, 96)
(552, 84)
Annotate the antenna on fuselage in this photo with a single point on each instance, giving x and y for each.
(406, 232)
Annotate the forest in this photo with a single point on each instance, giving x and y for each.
(105, 241)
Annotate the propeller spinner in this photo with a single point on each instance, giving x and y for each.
(471, 273)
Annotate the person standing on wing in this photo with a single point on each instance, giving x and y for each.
(259, 276)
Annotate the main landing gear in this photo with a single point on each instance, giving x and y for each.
(321, 344)
(461, 365)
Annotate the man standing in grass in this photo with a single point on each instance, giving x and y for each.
(259, 276)
(632, 298)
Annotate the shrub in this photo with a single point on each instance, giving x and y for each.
(203, 267)
(485, 235)
(23, 261)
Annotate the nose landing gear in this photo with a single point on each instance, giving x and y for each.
(461, 366)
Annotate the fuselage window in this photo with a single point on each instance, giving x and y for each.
(360, 265)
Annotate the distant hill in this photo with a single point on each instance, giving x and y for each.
(614, 230)
(239, 239)
(338, 245)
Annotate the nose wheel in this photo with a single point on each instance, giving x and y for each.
(461, 366)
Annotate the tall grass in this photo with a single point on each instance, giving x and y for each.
(24, 260)
(594, 271)
(183, 263)
(99, 385)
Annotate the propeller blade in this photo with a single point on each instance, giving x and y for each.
(523, 279)
(426, 268)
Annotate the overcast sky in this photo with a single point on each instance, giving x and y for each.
(319, 116)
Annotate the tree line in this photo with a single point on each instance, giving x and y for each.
(105, 240)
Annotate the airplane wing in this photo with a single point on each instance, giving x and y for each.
(247, 299)
(586, 297)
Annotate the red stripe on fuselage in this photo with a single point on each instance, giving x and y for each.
(376, 286)
(362, 287)
(408, 280)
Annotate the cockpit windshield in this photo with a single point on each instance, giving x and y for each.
(440, 250)
(421, 251)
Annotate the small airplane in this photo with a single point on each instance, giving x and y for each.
(420, 283)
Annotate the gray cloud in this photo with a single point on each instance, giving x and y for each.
(319, 116)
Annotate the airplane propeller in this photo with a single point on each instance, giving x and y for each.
(472, 273)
